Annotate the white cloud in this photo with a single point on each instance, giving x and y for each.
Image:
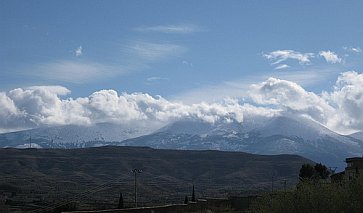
(187, 63)
(240, 88)
(172, 29)
(155, 78)
(9, 114)
(330, 57)
(353, 49)
(278, 56)
(156, 51)
(291, 97)
(282, 66)
(312, 76)
(38, 106)
(79, 51)
(348, 100)
(340, 110)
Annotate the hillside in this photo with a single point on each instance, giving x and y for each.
(36, 177)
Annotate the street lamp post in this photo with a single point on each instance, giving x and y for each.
(136, 171)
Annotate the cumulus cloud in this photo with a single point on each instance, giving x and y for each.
(39, 106)
(8, 113)
(340, 110)
(279, 56)
(292, 98)
(348, 100)
(330, 57)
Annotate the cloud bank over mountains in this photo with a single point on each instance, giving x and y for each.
(340, 110)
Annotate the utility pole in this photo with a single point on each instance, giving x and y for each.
(30, 140)
(136, 171)
(284, 181)
(272, 183)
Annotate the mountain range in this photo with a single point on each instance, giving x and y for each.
(277, 135)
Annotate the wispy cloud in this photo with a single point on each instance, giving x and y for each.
(156, 51)
(79, 51)
(353, 49)
(141, 54)
(282, 66)
(278, 56)
(217, 92)
(330, 57)
(155, 78)
(187, 63)
(310, 77)
(239, 88)
(172, 29)
(75, 72)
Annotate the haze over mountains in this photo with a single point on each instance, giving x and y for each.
(260, 135)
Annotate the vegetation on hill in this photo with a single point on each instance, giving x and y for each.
(314, 195)
(94, 177)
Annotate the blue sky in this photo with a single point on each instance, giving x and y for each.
(189, 51)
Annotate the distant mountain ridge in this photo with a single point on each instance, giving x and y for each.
(71, 136)
(277, 135)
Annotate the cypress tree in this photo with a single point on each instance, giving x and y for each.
(186, 201)
(121, 202)
(193, 195)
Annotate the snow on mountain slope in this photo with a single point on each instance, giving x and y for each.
(357, 135)
(259, 135)
(71, 136)
(279, 135)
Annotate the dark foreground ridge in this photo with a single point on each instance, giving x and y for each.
(94, 177)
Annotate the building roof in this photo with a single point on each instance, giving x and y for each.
(354, 159)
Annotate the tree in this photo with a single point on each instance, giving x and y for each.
(121, 202)
(322, 171)
(306, 172)
(193, 195)
(186, 200)
(319, 171)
